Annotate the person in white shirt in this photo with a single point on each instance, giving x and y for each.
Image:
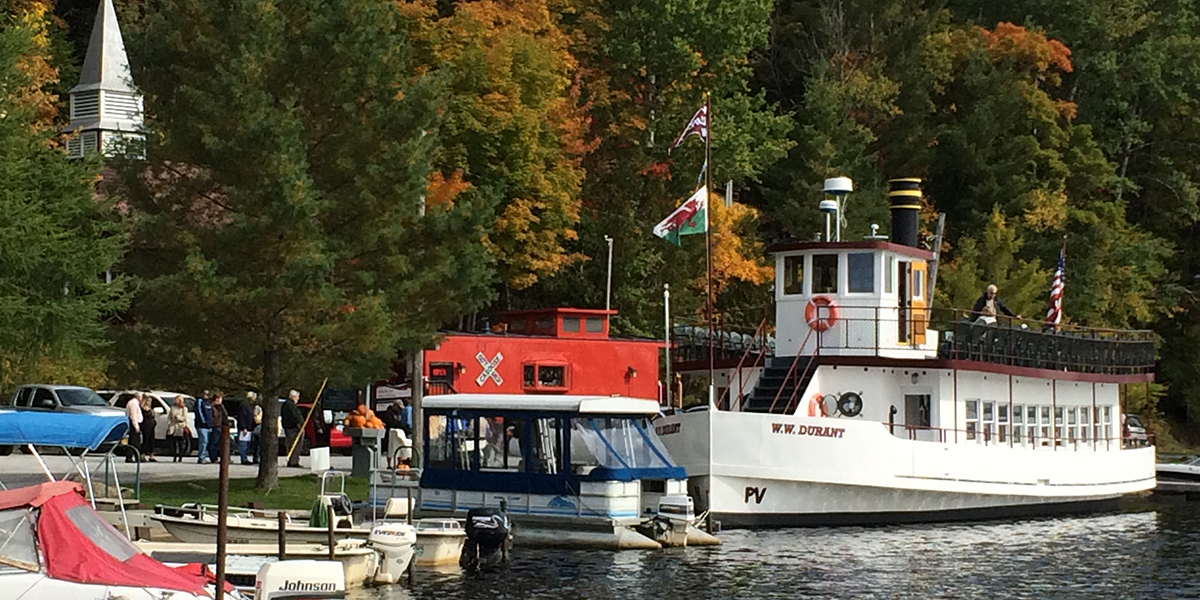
(133, 411)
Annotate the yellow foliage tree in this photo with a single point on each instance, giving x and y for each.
(514, 131)
(737, 253)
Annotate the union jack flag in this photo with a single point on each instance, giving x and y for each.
(697, 126)
(1054, 314)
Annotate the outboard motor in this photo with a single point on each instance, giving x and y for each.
(394, 543)
(489, 538)
(300, 579)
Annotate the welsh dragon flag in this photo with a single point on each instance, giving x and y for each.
(691, 217)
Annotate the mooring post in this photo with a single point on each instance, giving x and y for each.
(329, 528)
(282, 535)
(222, 504)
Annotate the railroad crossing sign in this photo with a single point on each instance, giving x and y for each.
(489, 369)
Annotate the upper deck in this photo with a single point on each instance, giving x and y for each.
(871, 300)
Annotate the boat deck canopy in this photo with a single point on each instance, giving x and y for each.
(588, 405)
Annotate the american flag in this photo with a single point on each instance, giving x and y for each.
(1054, 314)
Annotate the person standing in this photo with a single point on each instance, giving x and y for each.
(177, 429)
(292, 419)
(989, 305)
(392, 421)
(149, 420)
(133, 411)
(245, 428)
(219, 416)
(204, 423)
(256, 443)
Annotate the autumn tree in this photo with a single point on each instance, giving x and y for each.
(643, 69)
(281, 235)
(58, 240)
(514, 133)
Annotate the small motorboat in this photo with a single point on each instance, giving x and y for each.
(197, 523)
(439, 542)
(1184, 472)
(55, 546)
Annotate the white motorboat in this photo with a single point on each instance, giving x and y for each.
(439, 542)
(877, 408)
(53, 546)
(1186, 472)
(197, 523)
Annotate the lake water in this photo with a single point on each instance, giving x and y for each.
(1149, 554)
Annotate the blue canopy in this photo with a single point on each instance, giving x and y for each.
(70, 430)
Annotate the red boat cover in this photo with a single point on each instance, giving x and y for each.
(78, 545)
(37, 495)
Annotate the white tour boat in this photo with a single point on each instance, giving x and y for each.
(878, 408)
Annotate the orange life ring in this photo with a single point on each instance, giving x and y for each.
(831, 313)
(816, 406)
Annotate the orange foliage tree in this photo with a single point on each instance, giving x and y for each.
(514, 131)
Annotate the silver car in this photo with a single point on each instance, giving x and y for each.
(60, 398)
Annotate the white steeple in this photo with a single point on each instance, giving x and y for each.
(106, 108)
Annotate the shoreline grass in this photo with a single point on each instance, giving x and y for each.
(291, 493)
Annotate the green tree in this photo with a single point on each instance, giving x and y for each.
(58, 238)
(992, 259)
(281, 235)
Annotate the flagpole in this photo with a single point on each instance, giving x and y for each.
(708, 241)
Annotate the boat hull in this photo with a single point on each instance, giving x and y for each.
(358, 563)
(814, 504)
(38, 586)
(438, 549)
(196, 531)
(809, 471)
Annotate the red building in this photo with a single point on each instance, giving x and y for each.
(545, 351)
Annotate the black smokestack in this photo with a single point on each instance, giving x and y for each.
(905, 197)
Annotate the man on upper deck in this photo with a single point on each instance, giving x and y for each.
(989, 304)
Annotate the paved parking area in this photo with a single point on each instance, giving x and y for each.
(19, 469)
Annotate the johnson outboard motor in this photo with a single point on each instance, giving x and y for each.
(489, 538)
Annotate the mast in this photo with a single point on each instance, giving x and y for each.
(708, 242)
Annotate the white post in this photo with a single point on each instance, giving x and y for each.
(667, 337)
(608, 279)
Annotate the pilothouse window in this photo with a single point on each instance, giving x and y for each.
(825, 274)
(862, 272)
(793, 275)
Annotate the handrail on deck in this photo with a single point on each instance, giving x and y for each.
(791, 369)
(1008, 341)
(762, 327)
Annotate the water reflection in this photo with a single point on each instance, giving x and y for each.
(1136, 555)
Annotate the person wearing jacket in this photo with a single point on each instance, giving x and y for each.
(177, 429)
(292, 418)
(204, 423)
(245, 428)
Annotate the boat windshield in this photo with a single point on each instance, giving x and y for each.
(616, 444)
(17, 545)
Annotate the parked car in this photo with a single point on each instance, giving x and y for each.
(57, 398)
(1135, 432)
(161, 403)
